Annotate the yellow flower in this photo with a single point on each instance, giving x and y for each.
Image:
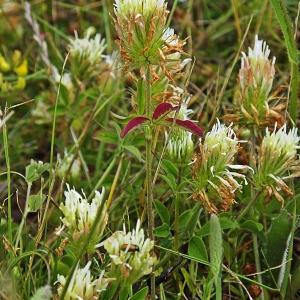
(20, 84)
(22, 69)
(16, 58)
(4, 65)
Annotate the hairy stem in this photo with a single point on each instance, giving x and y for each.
(149, 171)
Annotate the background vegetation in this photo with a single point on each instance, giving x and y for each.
(75, 131)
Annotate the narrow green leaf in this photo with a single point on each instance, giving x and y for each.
(141, 97)
(134, 150)
(279, 7)
(140, 295)
(197, 248)
(162, 211)
(162, 231)
(277, 237)
(216, 252)
(108, 137)
(170, 180)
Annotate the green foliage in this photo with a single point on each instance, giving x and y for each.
(64, 115)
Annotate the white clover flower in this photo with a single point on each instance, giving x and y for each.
(65, 79)
(256, 79)
(130, 254)
(44, 293)
(215, 174)
(41, 113)
(278, 161)
(135, 7)
(79, 214)
(169, 37)
(112, 62)
(88, 49)
(256, 68)
(282, 142)
(83, 285)
(64, 164)
(180, 144)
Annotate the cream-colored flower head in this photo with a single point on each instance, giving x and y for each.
(142, 33)
(64, 164)
(86, 55)
(180, 144)
(83, 285)
(128, 8)
(79, 214)
(130, 254)
(278, 161)
(215, 174)
(87, 48)
(256, 79)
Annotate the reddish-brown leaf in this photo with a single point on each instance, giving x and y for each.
(133, 124)
(162, 109)
(188, 125)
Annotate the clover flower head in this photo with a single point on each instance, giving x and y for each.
(135, 7)
(44, 292)
(256, 79)
(256, 68)
(83, 285)
(281, 145)
(79, 214)
(130, 254)
(87, 48)
(169, 37)
(140, 25)
(180, 144)
(64, 164)
(282, 141)
(215, 174)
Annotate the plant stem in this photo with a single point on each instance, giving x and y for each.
(249, 205)
(177, 208)
(114, 184)
(103, 177)
(9, 215)
(257, 262)
(25, 213)
(254, 197)
(149, 171)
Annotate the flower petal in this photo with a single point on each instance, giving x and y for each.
(133, 124)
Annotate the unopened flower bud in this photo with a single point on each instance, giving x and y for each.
(4, 65)
(180, 144)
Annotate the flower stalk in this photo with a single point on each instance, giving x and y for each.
(148, 129)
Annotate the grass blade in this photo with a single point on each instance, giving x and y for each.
(285, 23)
(216, 253)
